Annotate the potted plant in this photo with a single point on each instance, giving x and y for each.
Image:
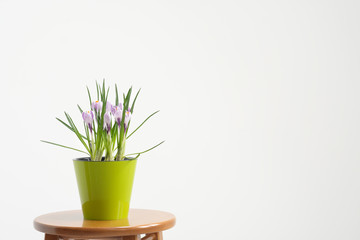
(105, 177)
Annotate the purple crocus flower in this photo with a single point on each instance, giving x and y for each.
(88, 118)
(96, 106)
(115, 108)
(127, 118)
(108, 106)
(117, 112)
(107, 122)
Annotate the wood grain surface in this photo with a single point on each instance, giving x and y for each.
(72, 225)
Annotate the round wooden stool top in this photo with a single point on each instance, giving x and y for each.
(72, 224)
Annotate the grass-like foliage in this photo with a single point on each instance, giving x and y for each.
(106, 126)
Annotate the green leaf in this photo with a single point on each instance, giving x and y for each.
(87, 136)
(114, 134)
(146, 150)
(88, 91)
(81, 111)
(69, 126)
(64, 146)
(132, 158)
(103, 91)
(142, 123)
(97, 90)
(117, 96)
(65, 124)
(127, 99)
(101, 134)
(107, 94)
(133, 104)
(121, 150)
(76, 131)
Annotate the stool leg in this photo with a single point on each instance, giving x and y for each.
(159, 236)
(153, 236)
(51, 237)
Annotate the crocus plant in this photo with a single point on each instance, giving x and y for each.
(106, 126)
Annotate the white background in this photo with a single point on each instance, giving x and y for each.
(259, 108)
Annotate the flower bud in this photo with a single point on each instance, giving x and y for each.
(88, 118)
(96, 106)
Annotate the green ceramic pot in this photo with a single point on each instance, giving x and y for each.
(105, 187)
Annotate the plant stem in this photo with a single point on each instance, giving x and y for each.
(92, 147)
(108, 156)
(121, 150)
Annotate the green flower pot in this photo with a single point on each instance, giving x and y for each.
(105, 187)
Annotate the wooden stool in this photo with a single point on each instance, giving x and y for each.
(71, 225)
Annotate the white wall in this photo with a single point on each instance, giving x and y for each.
(259, 108)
